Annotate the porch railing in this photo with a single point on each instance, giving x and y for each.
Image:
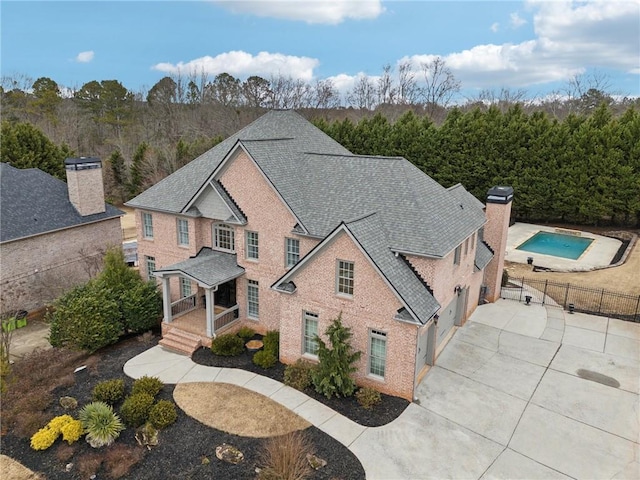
(183, 305)
(225, 318)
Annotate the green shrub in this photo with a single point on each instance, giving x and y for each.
(136, 408)
(264, 359)
(505, 278)
(246, 333)
(228, 345)
(163, 414)
(109, 391)
(334, 373)
(368, 397)
(85, 318)
(150, 385)
(298, 375)
(271, 342)
(100, 422)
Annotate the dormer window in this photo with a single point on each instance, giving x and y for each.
(223, 236)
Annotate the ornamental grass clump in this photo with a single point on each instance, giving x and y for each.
(246, 333)
(101, 424)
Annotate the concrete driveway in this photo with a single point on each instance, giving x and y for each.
(520, 392)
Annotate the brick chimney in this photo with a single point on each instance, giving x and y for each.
(84, 182)
(498, 212)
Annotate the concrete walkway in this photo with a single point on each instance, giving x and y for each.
(520, 392)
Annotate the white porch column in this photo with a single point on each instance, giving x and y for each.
(166, 299)
(210, 310)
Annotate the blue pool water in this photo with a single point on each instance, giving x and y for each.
(556, 244)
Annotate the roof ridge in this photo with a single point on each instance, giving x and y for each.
(240, 139)
(353, 155)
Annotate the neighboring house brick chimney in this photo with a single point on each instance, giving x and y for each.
(84, 182)
(498, 212)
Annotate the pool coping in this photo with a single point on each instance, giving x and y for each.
(596, 256)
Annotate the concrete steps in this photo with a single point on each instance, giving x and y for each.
(180, 341)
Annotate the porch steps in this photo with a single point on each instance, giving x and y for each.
(180, 341)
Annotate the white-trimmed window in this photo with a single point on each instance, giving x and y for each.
(344, 277)
(183, 232)
(292, 251)
(147, 225)
(252, 245)
(224, 237)
(253, 299)
(185, 287)
(150, 263)
(456, 255)
(377, 353)
(309, 333)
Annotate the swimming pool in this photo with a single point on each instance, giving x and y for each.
(556, 244)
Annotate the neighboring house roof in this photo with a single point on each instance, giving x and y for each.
(33, 202)
(209, 267)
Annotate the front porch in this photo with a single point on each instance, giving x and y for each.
(194, 320)
(200, 316)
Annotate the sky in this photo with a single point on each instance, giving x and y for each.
(531, 45)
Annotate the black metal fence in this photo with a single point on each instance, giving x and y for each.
(595, 301)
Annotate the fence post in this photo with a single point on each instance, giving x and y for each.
(544, 294)
(566, 295)
(635, 315)
(521, 288)
(600, 304)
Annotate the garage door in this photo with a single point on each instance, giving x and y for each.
(446, 321)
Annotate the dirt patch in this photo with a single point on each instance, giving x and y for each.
(13, 470)
(236, 410)
(623, 278)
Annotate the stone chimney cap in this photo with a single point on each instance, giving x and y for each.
(82, 163)
(500, 194)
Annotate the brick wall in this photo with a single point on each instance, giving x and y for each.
(495, 234)
(373, 306)
(37, 270)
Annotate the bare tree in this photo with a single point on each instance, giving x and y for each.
(363, 94)
(408, 90)
(324, 95)
(587, 90)
(386, 89)
(440, 84)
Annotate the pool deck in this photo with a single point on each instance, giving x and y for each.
(597, 255)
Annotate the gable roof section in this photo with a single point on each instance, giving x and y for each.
(483, 255)
(208, 267)
(33, 202)
(370, 235)
(173, 193)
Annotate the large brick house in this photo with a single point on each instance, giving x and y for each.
(281, 228)
(53, 234)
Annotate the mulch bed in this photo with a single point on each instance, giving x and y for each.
(186, 449)
(386, 411)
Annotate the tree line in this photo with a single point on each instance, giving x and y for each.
(571, 158)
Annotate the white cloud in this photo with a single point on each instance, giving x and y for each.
(494, 27)
(570, 37)
(242, 64)
(516, 21)
(327, 11)
(85, 57)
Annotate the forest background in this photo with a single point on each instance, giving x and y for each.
(571, 158)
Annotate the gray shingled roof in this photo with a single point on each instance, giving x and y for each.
(209, 267)
(483, 255)
(33, 202)
(373, 238)
(174, 192)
